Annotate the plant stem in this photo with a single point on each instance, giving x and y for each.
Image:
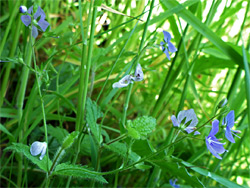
(43, 109)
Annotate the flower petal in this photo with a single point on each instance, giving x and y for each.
(171, 47)
(43, 152)
(39, 12)
(230, 119)
(167, 36)
(138, 73)
(197, 133)
(166, 52)
(26, 19)
(36, 148)
(43, 24)
(215, 128)
(125, 81)
(175, 121)
(34, 31)
(30, 10)
(162, 44)
(190, 116)
(210, 148)
(229, 135)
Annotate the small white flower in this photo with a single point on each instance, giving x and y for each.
(125, 81)
(38, 148)
(138, 76)
(23, 9)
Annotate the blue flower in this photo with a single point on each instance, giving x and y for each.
(229, 121)
(213, 144)
(125, 81)
(38, 147)
(166, 45)
(42, 23)
(138, 75)
(172, 182)
(189, 116)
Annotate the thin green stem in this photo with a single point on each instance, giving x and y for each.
(82, 86)
(139, 52)
(42, 107)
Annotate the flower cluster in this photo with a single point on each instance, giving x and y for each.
(187, 120)
(213, 144)
(126, 80)
(36, 20)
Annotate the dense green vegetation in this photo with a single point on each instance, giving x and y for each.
(136, 93)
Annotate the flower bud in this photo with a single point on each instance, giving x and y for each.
(38, 148)
(22, 9)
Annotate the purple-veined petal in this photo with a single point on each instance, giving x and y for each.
(229, 135)
(230, 119)
(118, 85)
(210, 148)
(189, 129)
(30, 10)
(175, 121)
(34, 31)
(36, 148)
(167, 36)
(138, 76)
(171, 47)
(39, 12)
(43, 151)
(43, 24)
(197, 133)
(219, 148)
(166, 52)
(215, 128)
(26, 19)
(190, 116)
(125, 81)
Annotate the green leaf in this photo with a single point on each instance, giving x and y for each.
(140, 127)
(24, 149)
(206, 32)
(93, 112)
(69, 140)
(176, 170)
(57, 132)
(78, 171)
(121, 149)
(204, 172)
(10, 136)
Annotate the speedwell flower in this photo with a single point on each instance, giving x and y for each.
(125, 81)
(172, 183)
(38, 147)
(138, 75)
(213, 144)
(42, 23)
(166, 45)
(229, 121)
(189, 116)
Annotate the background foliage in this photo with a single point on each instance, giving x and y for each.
(99, 136)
